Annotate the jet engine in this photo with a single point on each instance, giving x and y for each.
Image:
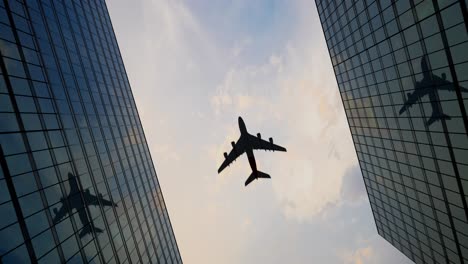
(233, 144)
(225, 155)
(259, 135)
(271, 140)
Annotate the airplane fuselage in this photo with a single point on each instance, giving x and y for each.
(424, 88)
(249, 151)
(247, 143)
(430, 86)
(251, 158)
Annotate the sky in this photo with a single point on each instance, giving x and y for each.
(194, 67)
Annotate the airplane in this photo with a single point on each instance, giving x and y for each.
(429, 86)
(75, 202)
(247, 143)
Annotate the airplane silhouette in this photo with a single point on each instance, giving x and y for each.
(75, 202)
(429, 85)
(247, 143)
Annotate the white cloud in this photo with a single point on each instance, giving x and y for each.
(240, 46)
(189, 91)
(296, 96)
(167, 56)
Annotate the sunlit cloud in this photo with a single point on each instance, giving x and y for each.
(289, 93)
(190, 85)
(359, 256)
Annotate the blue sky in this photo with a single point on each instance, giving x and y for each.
(194, 67)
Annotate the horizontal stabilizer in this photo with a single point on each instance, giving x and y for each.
(255, 175)
(262, 175)
(436, 117)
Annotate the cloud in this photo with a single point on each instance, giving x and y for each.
(246, 87)
(370, 248)
(295, 97)
(298, 102)
(166, 152)
(167, 55)
(353, 190)
(190, 88)
(240, 46)
(359, 256)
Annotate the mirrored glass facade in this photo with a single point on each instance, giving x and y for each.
(402, 72)
(77, 182)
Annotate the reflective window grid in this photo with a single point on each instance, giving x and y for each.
(77, 182)
(402, 72)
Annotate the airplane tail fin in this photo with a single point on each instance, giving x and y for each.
(256, 175)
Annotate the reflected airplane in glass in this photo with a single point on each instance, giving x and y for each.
(75, 201)
(429, 85)
(247, 143)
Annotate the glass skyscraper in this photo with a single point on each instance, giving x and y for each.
(402, 72)
(77, 182)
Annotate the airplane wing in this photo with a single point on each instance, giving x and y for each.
(93, 199)
(237, 150)
(90, 198)
(106, 202)
(463, 89)
(60, 213)
(410, 101)
(440, 83)
(443, 84)
(85, 230)
(258, 143)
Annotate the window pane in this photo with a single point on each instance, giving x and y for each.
(43, 243)
(11, 237)
(30, 204)
(8, 122)
(18, 164)
(19, 255)
(24, 184)
(12, 143)
(7, 211)
(37, 223)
